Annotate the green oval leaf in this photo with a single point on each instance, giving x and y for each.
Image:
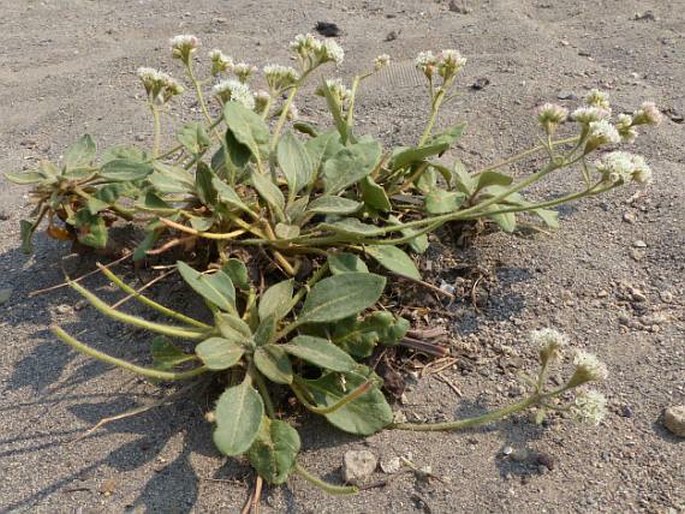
(239, 413)
(247, 127)
(320, 352)
(333, 205)
(24, 177)
(352, 227)
(233, 328)
(295, 162)
(274, 364)
(80, 154)
(194, 138)
(365, 415)
(346, 263)
(166, 355)
(350, 165)
(274, 451)
(492, 178)
(124, 170)
(394, 259)
(268, 191)
(275, 300)
(218, 353)
(374, 195)
(439, 201)
(216, 288)
(340, 296)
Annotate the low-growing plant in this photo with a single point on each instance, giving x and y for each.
(249, 179)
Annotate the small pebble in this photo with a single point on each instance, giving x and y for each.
(629, 217)
(674, 420)
(566, 95)
(666, 296)
(639, 243)
(358, 465)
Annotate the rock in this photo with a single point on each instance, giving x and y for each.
(629, 217)
(639, 244)
(666, 296)
(480, 83)
(459, 9)
(391, 466)
(358, 465)
(521, 455)
(327, 29)
(5, 294)
(566, 95)
(392, 35)
(674, 420)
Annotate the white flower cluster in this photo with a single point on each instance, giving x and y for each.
(590, 407)
(426, 63)
(447, 63)
(624, 125)
(602, 132)
(587, 115)
(231, 90)
(551, 115)
(620, 167)
(588, 369)
(551, 343)
(221, 63)
(262, 99)
(159, 86)
(314, 52)
(243, 71)
(339, 91)
(183, 46)
(280, 78)
(597, 98)
(381, 61)
(647, 114)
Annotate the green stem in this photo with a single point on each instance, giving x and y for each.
(146, 372)
(167, 330)
(523, 155)
(284, 114)
(151, 303)
(471, 422)
(326, 486)
(263, 391)
(435, 107)
(157, 129)
(198, 91)
(359, 391)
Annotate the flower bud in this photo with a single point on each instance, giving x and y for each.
(183, 46)
(590, 407)
(551, 343)
(220, 63)
(588, 369)
(597, 98)
(647, 114)
(381, 61)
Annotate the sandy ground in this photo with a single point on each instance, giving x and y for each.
(69, 68)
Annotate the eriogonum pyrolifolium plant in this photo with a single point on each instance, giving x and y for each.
(249, 179)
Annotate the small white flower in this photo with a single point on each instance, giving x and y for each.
(381, 61)
(280, 77)
(184, 45)
(624, 125)
(597, 98)
(338, 90)
(551, 343)
(620, 167)
(602, 133)
(243, 71)
(231, 90)
(261, 99)
(588, 369)
(647, 114)
(159, 86)
(552, 114)
(590, 407)
(587, 115)
(332, 51)
(426, 63)
(450, 62)
(220, 62)
(304, 44)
